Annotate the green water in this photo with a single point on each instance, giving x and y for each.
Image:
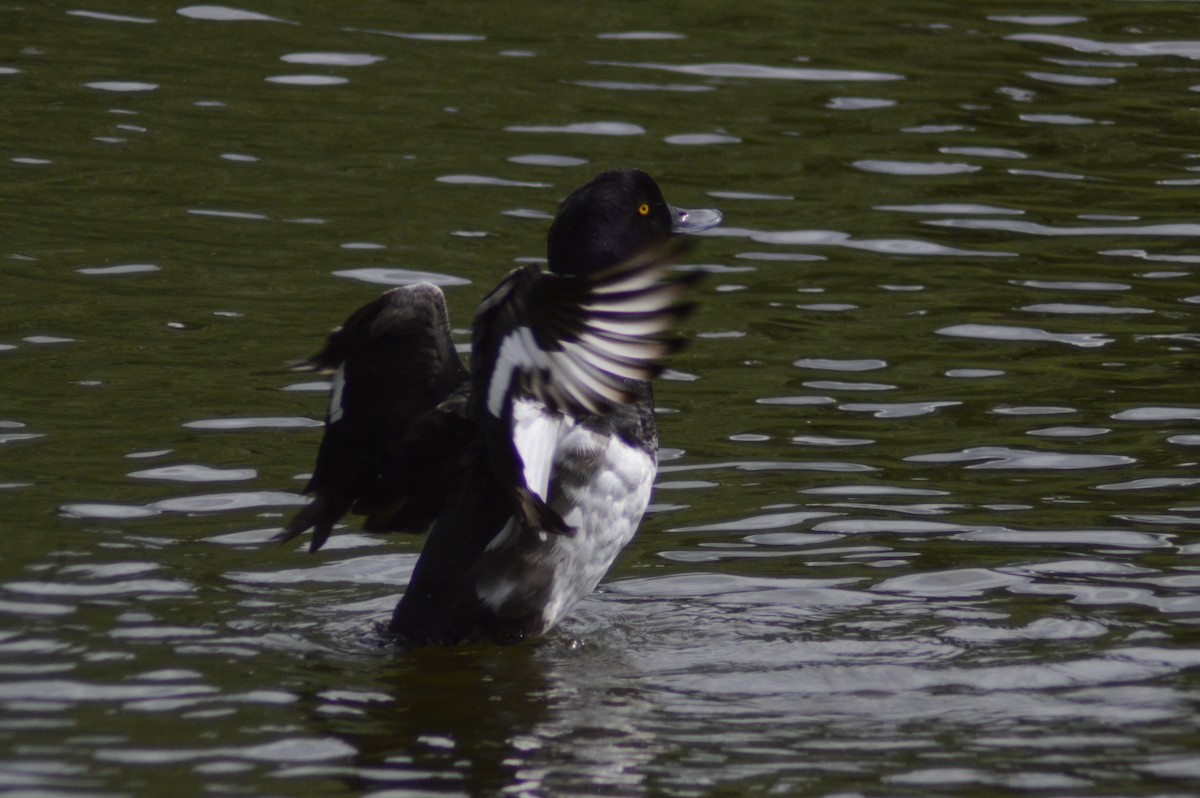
(925, 522)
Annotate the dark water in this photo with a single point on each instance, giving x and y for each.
(927, 517)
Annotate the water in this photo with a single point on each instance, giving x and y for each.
(926, 518)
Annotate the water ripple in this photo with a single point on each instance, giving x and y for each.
(1070, 80)
(1158, 414)
(1151, 483)
(757, 71)
(896, 409)
(1073, 285)
(253, 423)
(951, 207)
(119, 588)
(106, 511)
(1069, 432)
(1003, 332)
(453, 38)
(121, 85)
(887, 246)
(763, 465)
(224, 502)
(836, 385)
(1182, 229)
(1181, 49)
(858, 103)
(1034, 410)
(954, 582)
(195, 473)
(584, 128)
(796, 401)
(1087, 538)
(1061, 119)
(1038, 19)
(984, 152)
(484, 180)
(374, 569)
(831, 364)
(286, 750)
(908, 168)
(617, 85)
(383, 275)
(332, 59)
(698, 139)
(307, 80)
(112, 17)
(546, 160)
(824, 440)
(225, 14)
(643, 36)
(126, 268)
(873, 490)
(1142, 254)
(1077, 309)
(772, 521)
(73, 691)
(1003, 457)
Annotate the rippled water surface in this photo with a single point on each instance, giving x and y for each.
(927, 517)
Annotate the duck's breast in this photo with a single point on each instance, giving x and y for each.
(601, 487)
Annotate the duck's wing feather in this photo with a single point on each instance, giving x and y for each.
(572, 342)
(578, 345)
(394, 369)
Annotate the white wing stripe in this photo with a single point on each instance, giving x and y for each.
(634, 370)
(645, 302)
(634, 281)
(629, 328)
(518, 352)
(335, 396)
(590, 380)
(623, 350)
(535, 434)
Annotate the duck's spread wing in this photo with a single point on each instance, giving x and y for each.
(574, 345)
(574, 342)
(394, 368)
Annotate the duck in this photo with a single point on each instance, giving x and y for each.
(529, 470)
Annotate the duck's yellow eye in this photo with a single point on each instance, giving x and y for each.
(643, 210)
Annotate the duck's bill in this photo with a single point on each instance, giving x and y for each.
(694, 221)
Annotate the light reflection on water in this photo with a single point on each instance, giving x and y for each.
(926, 513)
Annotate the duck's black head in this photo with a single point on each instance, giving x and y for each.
(613, 217)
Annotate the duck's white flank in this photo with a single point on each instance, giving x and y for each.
(536, 434)
(602, 508)
(605, 511)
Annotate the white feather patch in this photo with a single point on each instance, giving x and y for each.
(536, 433)
(335, 396)
(604, 512)
(518, 352)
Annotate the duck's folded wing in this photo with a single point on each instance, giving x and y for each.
(575, 342)
(393, 362)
